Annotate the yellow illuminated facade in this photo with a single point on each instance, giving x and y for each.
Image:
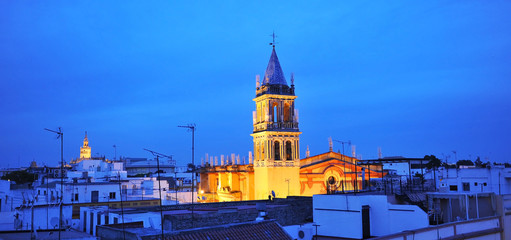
(275, 168)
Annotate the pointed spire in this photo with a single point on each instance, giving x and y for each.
(85, 140)
(274, 73)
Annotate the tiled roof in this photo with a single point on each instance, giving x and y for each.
(274, 73)
(251, 230)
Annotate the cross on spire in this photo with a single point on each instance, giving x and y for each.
(273, 38)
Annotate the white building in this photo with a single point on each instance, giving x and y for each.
(400, 166)
(90, 217)
(98, 169)
(144, 166)
(5, 192)
(88, 180)
(496, 179)
(361, 216)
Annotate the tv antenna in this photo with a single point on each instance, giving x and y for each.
(158, 155)
(342, 158)
(60, 135)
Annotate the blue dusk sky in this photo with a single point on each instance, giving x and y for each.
(412, 77)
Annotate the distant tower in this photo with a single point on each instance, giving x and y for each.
(33, 164)
(276, 135)
(85, 149)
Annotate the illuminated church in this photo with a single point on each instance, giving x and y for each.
(276, 170)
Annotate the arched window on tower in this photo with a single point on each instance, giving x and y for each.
(275, 112)
(287, 113)
(276, 149)
(258, 114)
(289, 151)
(262, 151)
(256, 152)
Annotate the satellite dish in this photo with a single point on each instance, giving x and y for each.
(273, 193)
(54, 222)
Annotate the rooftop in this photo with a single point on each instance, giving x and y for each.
(250, 230)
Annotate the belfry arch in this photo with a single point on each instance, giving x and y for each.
(276, 151)
(289, 150)
(275, 112)
(287, 112)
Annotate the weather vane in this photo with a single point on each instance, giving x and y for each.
(273, 37)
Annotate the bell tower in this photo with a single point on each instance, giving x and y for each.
(276, 134)
(85, 151)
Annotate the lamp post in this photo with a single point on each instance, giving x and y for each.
(191, 127)
(122, 206)
(287, 180)
(60, 135)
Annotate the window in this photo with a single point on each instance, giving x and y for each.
(116, 220)
(76, 196)
(38, 192)
(475, 183)
(485, 184)
(112, 195)
(453, 187)
(466, 186)
(257, 154)
(277, 150)
(85, 221)
(289, 151)
(275, 112)
(287, 113)
(258, 114)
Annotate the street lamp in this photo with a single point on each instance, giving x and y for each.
(191, 127)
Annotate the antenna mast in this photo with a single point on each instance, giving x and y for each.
(158, 155)
(60, 135)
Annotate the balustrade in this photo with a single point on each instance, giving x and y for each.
(276, 125)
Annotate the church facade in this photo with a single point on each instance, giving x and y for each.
(275, 168)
